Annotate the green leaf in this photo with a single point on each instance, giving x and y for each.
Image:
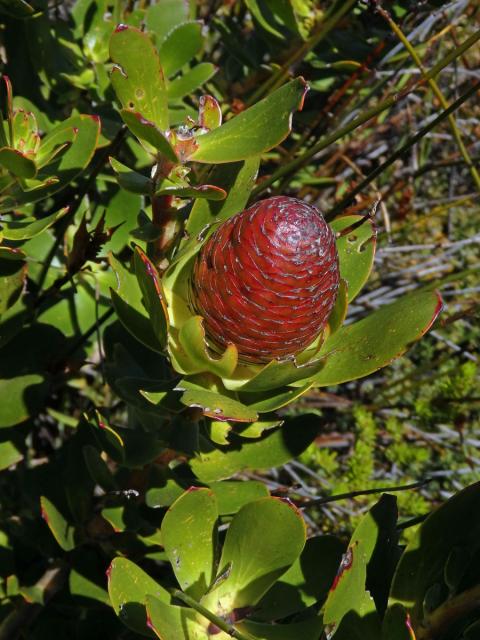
(9, 454)
(191, 80)
(147, 131)
(13, 273)
(81, 586)
(130, 180)
(207, 191)
(192, 340)
(310, 629)
(180, 46)
(452, 527)
(237, 179)
(209, 113)
(350, 611)
(215, 405)
(275, 374)
(189, 535)
(128, 588)
(339, 311)
(29, 228)
(264, 539)
(266, 402)
(306, 582)
(25, 131)
(138, 77)
(170, 622)
(17, 163)
(135, 322)
(266, 21)
(162, 18)
(85, 131)
(153, 296)
(274, 449)
(17, 8)
(355, 350)
(256, 130)
(63, 532)
(356, 251)
(132, 313)
(232, 495)
(98, 468)
(22, 397)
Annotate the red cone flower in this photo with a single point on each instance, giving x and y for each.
(267, 279)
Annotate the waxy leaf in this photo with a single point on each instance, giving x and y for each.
(138, 76)
(25, 132)
(29, 228)
(215, 405)
(17, 163)
(264, 539)
(170, 622)
(62, 530)
(350, 611)
(128, 588)
(356, 350)
(307, 581)
(147, 131)
(274, 449)
(153, 296)
(356, 250)
(13, 273)
(309, 629)
(135, 322)
(339, 311)
(131, 180)
(132, 313)
(256, 130)
(17, 8)
(189, 536)
(275, 374)
(192, 339)
(266, 402)
(190, 81)
(206, 191)
(180, 46)
(451, 530)
(162, 18)
(21, 397)
(9, 454)
(66, 167)
(232, 495)
(209, 113)
(237, 179)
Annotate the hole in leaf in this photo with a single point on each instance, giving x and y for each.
(352, 238)
(131, 105)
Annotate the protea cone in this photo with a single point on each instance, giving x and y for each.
(267, 279)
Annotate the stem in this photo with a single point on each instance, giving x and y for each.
(297, 163)
(436, 90)
(18, 621)
(453, 610)
(68, 217)
(165, 218)
(85, 336)
(362, 492)
(344, 202)
(321, 30)
(216, 620)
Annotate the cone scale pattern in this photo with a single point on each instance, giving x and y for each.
(267, 279)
